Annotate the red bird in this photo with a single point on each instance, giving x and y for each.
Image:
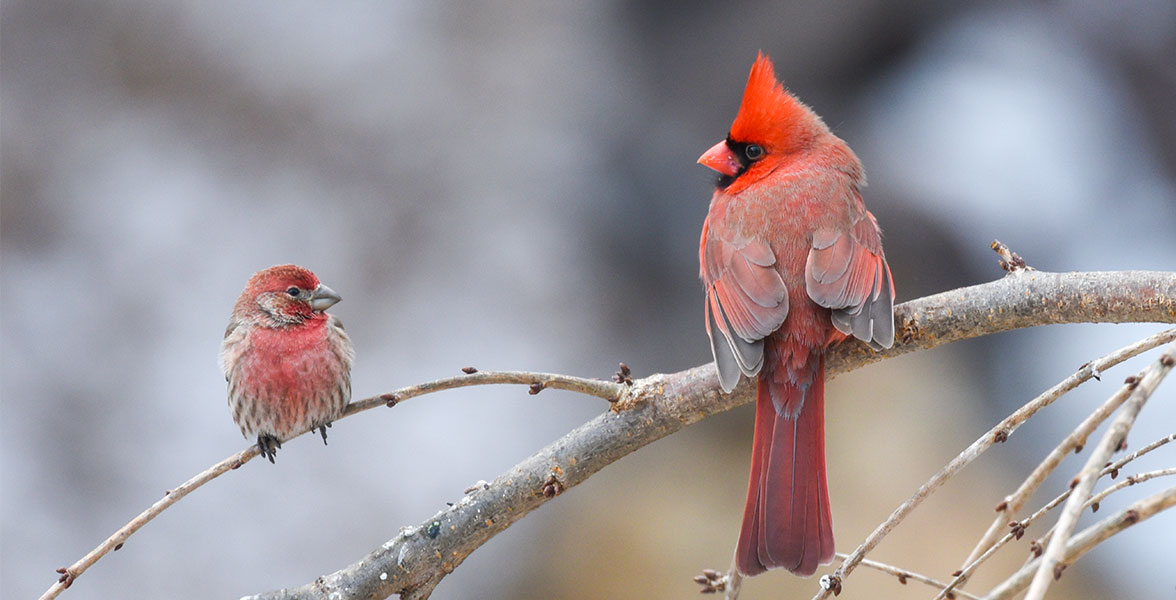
(287, 362)
(791, 262)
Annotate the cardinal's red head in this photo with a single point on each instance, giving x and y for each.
(283, 295)
(771, 125)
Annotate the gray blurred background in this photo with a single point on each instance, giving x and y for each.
(514, 186)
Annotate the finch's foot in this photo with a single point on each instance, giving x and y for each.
(322, 429)
(267, 446)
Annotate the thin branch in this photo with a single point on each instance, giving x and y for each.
(1017, 528)
(1113, 469)
(1012, 504)
(734, 582)
(417, 559)
(1022, 525)
(115, 542)
(997, 434)
(962, 575)
(538, 382)
(664, 404)
(1087, 539)
(1131, 480)
(602, 389)
(1141, 389)
(904, 574)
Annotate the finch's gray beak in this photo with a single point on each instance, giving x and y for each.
(323, 298)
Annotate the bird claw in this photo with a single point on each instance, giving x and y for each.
(267, 446)
(322, 429)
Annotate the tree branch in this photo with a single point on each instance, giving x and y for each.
(1140, 389)
(418, 558)
(1017, 528)
(1013, 503)
(415, 561)
(903, 575)
(997, 434)
(537, 382)
(1090, 537)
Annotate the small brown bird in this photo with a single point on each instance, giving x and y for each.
(287, 362)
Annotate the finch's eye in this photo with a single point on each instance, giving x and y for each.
(293, 292)
(753, 152)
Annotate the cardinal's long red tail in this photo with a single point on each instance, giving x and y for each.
(787, 521)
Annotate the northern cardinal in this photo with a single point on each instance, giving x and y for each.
(287, 362)
(791, 262)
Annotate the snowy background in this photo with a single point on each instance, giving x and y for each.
(513, 186)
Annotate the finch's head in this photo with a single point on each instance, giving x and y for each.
(771, 125)
(284, 295)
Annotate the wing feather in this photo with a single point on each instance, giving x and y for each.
(847, 272)
(746, 301)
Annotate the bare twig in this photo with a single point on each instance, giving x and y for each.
(1131, 480)
(1113, 468)
(995, 435)
(607, 390)
(1017, 528)
(114, 542)
(1012, 504)
(734, 582)
(1009, 261)
(1090, 537)
(711, 581)
(903, 575)
(1055, 553)
(417, 559)
(1094, 500)
(602, 389)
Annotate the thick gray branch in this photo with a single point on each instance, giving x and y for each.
(414, 562)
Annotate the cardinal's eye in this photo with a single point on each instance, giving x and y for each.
(293, 292)
(753, 152)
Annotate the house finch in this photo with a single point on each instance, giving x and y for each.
(791, 262)
(287, 362)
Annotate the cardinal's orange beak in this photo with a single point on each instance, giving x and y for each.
(721, 159)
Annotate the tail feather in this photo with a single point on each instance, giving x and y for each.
(787, 521)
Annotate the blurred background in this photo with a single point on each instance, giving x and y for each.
(514, 186)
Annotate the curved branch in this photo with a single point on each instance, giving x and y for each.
(1012, 503)
(170, 497)
(963, 574)
(997, 434)
(903, 575)
(1089, 538)
(1021, 299)
(1140, 390)
(1136, 479)
(418, 558)
(537, 381)
(1093, 501)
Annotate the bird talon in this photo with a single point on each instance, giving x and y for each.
(267, 446)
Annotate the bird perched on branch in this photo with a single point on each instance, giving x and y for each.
(791, 262)
(288, 363)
